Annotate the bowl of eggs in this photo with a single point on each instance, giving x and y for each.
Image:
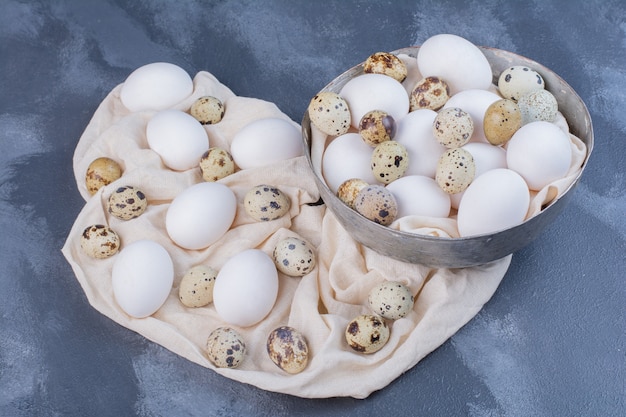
(447, 154)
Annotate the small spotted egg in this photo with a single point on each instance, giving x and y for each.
(225, 347)
(391, 300)
(99, 241)
(376, 127)
(453, 127)
(294, 257)
(349, 189)
(367, 333)
(288, 349)
(102, 171)
(330, 113)
(518, 80)
(196, 287)
(537, 106)
(208, 110)
(376, 203)
(127, 202)
(265, 202)
(390, 160)
(501, 121)
(215, 164)
(386, 64)
(455, 170)
(429, 93)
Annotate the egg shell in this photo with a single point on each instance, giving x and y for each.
(453, 127)
(294, 257)
(208, 110)
(538, 105)
(474, 102)
(329, 112)
(265, 203)
(349, 189)
(518, 80)
(127, 202)
(266, 141)
(142, 278)
(415, 132)
(155, 86)
(456, 60)
(540, 152)
(200, 215)
(456, 170)
(391, 300)
(375, 92)
(429, 93)
(377, 126)
(389, 162)
(196, 286)
(216, 163)
(288, 349)
(101, 172)
(501, 121)
(387, 64)
(225, 347)
(246, 288)
(421, 196)
(178, 138)
(367, 333)
(376, 203)
(99, 241)
(495, 201)
(345, 157)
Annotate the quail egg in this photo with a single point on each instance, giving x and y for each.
(429, 93)
(196, 286)
(376, 203)
(537, 106)
(288, 349)
(386, 64)
(453, 127)
(225, 347)
(208, 110)
(502, 119)
(367, 333)
(294, 257)
(330, 113)
(518, 80)
(265, 202)
(455, 170)
(101, 172)
(99, 241)
(127, 202)
(377, 126)
(390, 160)
(216, 163)
(349, 189)
(391, 300)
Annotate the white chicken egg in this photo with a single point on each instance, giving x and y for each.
(155, 86)
(178, 138)
(200, 215)
(246, 288)
(375, 92)
(495, 201)
(415, 132)
(142, 278)
(346, 157)
(419, 195)
(540, 152)
(474, 102)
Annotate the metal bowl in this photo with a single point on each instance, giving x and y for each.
(461, 252)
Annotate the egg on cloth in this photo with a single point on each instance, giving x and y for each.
(216, 163)
(196, 286)
(225, 347)
(265, 203)
(367, 333)
(387, 64)
(99, 241)
(391, 300)
(101, 172)
(127, 202)
(294, 257)
(208, 110)
(329, 112)
(288, 349)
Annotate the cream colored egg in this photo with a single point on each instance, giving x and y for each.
(377, 126)
(415, 132)
(453, 127)
(127, 203)
(329, 112)
(101, 172)
(538, 105)
(389, 161)
(349, 189)
(266, 203)
(377, 204)
(367, 333)
(518, 80)
(429, 93)
(501, 121)
(208, 110)
(99, 241)
(347, 156)
(216, 163)
(391, 300)
(474, 102)
(225, 347)
(387, 64)
(421, 196)
(196, 286)
(288, 349)
(294, 257)
(456, 170)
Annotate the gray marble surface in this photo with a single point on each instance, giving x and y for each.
(552, 340)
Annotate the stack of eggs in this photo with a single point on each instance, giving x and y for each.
(433, 136)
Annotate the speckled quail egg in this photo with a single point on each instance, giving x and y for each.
(377, 126)
(294, 257)
(127, 202)
(266, 202)
(99, 241)
(367, 333)
(390, 160)
(288, 349)
(429, 93)
(455, 170)
(102, 171)
(208, 110)
(216, 163)
(453, 127)
(501, 121)
(386, 64)
(391, 300)
(537, 106)
(225, 347)
(376, 203)
(349, 189)
(518, 80)
(330, 113)
(196, 286)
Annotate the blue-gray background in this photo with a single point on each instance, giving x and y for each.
(551, 342)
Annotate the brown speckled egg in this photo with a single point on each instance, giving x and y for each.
(537, 106)
(225, 348)
(330, 113)
(453, 127)
(288, 349)
(102, 171)
(349, 189)
(429, 93)
(502, 119)
(196, 286)
(376, 203)
(294, 257)
(455, 170)
(99, 241)
(265, 202)
(518, 80)
(208, 110)
(127, 202)
(216, 163)
(386, 64)
(367, 333)
(377, 126)
(391, 300)
(389, 161)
